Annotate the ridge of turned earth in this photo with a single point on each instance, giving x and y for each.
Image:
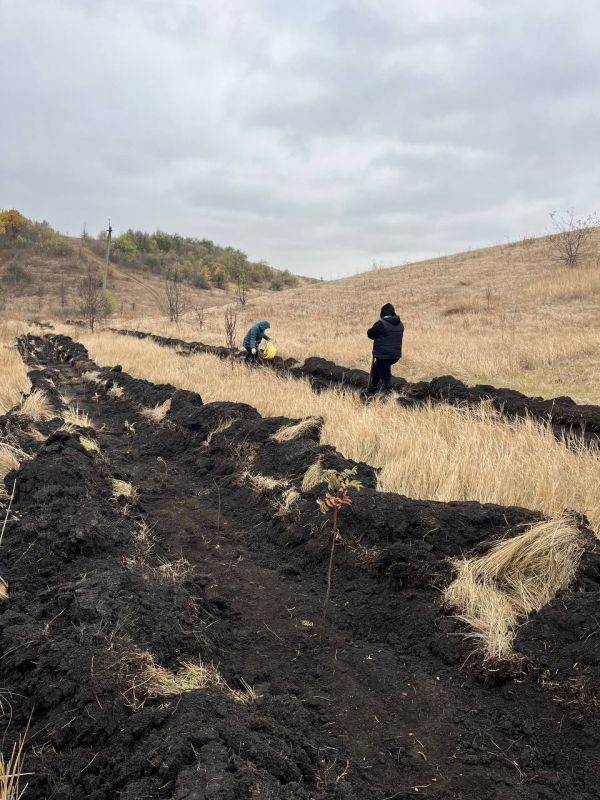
(385, 700)
(565, 415)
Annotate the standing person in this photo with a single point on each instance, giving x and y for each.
(253, 338)
(387, 336)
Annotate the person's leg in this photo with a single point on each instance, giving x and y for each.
(250, 358)
(385, 374)
(373, 378)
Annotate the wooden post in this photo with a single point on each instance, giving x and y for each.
(107, 256)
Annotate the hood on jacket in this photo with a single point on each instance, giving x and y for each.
(387, 310)
(264, 325)
(393, 319)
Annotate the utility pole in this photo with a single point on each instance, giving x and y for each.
(107, 256)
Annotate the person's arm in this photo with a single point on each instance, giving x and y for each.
(376, 330)
(268, 338)
(253, 334)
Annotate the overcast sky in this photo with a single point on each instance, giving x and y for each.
(318, 135)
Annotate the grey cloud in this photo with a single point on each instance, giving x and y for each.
(317, 135)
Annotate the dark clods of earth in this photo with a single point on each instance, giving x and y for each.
(203, 563)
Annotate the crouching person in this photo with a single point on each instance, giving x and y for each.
(387, 335)
(253, 339)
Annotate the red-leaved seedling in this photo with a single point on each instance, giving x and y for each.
(334, 500)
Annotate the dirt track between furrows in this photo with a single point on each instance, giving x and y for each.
(566, 417)
(382, 701)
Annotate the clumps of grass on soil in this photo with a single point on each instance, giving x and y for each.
(297, 429)
(149, 681)
(286, 503)
(115, 391)
(11, 772)
(313, 476)
(158, 413)
(75, 418)
(493, 593)
(263, 484)
(36, 407)
(91, 445)
(123, 489)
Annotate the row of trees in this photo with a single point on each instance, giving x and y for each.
(199, 262)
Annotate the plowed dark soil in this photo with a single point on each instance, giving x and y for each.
(383, 699)
(566, 417)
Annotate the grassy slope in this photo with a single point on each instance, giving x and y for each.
(507, 315)
(136, 293)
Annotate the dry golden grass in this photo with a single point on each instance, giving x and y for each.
(296, 430)
(74, 417)
(91, 445)
(158, 413)
(519, 575)
(9, 460)
(438, 452)
(148, 680)
(262, 484)
(115, 391)
(313, 476)
(506, 315)
(13, 372)
(123, 489)
(286, 503)
(36, 407)
(11, 772)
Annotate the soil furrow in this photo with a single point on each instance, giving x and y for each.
(381, 699)
(567, 418)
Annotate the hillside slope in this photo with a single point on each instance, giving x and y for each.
(507, 315)
(40, 270)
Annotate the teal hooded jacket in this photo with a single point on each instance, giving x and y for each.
(256, 334)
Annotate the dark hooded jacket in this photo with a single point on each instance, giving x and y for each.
(256, 334)
(387, 335)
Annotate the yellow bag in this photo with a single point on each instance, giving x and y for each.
(268, 351)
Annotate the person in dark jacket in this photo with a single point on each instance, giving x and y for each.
(387, 336)
(254, 337)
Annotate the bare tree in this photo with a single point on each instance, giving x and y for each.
(176, 295)
(571, 241)
(199, 316)
(92, 302)
(40, 293)
(62, 292)
(241, 288)
(230, 321)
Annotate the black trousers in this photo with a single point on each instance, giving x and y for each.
(250, 357)
(381, 375)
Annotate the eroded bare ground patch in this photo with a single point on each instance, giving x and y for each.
(163, 624)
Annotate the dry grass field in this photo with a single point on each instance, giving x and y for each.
(13, 373)
(440, 452)
(507, 315)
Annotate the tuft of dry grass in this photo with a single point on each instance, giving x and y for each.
(518, 576)
(297, 429)
(158, 413)
(263, 484)
(123, 489)
(436, 452)
(91, 445)
(148, 680)
(175, 571)
(115, 391)
(36, 407)
(222, 426)
(13, 372)
(313, 476)
(75, 418)
(286, 503)
(8, 460)
(11, 772)
(92, 376)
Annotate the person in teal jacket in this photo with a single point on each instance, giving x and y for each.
(254, 337)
